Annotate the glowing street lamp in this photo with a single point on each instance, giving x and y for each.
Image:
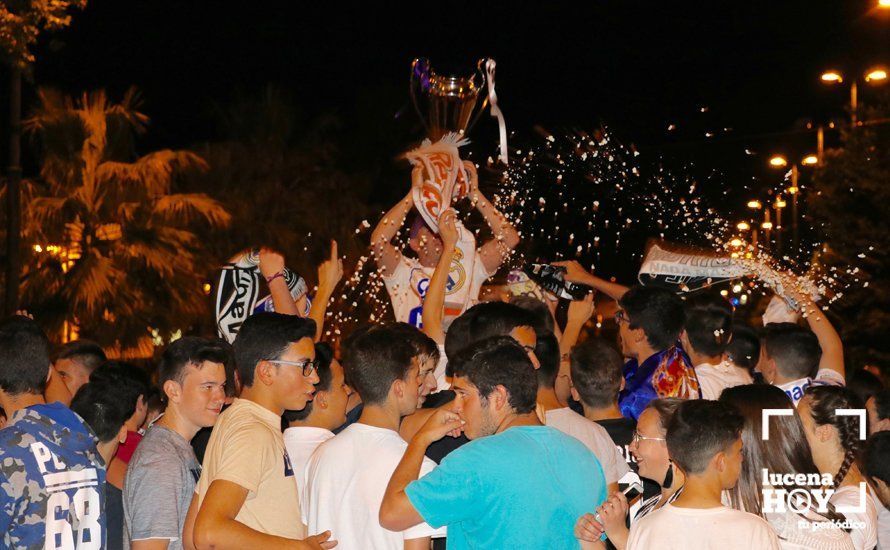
(778, 161)
(832, 77)
(876, 75)
(754, 205)
(743, 226)
(810, 160)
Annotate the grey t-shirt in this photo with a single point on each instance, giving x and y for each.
(158, 487)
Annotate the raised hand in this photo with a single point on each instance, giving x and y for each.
(448, 228)
(271, 262)
(330, 271)
(580, 311)
(443, 422)
(574, 272)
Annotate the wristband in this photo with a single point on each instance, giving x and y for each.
(273, 277)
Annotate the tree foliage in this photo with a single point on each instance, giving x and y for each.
(116, 250)
(22, 21)
(851, 204)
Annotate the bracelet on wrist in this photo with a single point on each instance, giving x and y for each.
(275, 276)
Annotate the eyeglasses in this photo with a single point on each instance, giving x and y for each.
(621, 316)
(307, 366)
(637, 437)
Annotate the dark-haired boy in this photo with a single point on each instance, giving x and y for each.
(704, 441)
(103, 410)
(794, 358)
(596, 382)
(312, 426)
(558, 415)
(163, 472)
(649, 321)
(517, 484)
(73, 363)
(347, 475)
(51, 473)
(705, 338)
(791, 358)
(247, 494)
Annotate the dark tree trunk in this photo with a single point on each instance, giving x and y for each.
(13, 192)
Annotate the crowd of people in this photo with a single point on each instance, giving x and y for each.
(463, 424)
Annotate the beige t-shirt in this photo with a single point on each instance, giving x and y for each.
(247, 448)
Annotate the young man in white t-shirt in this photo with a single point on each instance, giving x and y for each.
(705, 337)
(346, 477)
(558, 415)
(312, 426)
(407, 279)
(704, 441)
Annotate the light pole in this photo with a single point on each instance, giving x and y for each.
(874, 76)
(779, 161)
(755, 206)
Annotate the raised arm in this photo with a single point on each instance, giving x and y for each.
(329, 274)
(577, 274)
(506, 238)
(387, 255)
(272, 269)
(396, 511)
(434, 302)
(580, 311)
(829, 339)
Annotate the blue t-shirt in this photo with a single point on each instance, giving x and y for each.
(52, 481)
(522, 488)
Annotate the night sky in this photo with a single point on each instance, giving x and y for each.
(636, 66)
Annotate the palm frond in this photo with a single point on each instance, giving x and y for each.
(185, 208)
(153, 172)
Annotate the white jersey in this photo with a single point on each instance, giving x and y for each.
(825, 377)
(408, 283)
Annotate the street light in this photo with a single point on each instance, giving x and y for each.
(810, 160)
(876, 75)
(743, 226)
(778, 161)
(754, 205)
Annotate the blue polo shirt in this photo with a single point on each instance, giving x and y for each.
(522, 488)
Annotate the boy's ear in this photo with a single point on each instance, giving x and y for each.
(719, 461)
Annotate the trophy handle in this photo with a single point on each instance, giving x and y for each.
(481, 86)
(420, 80)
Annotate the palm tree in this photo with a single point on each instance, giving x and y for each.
(116, 251)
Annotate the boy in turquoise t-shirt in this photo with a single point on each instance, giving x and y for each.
(517, 484)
